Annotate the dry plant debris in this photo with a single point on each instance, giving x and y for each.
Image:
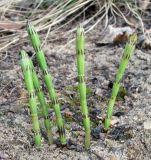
(56, 14)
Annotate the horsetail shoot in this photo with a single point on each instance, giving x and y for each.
(80, 47)
(128, 52)
(75, 79)
(43, 103)
(33, 36)
(27, 72)
(33, 86)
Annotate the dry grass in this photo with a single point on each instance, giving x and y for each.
(14, 15)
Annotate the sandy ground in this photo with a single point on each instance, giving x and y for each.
(128, 139)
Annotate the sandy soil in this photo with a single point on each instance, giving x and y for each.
(128, 139)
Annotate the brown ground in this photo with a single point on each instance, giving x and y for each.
(129, 139)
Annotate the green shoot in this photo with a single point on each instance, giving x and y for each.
(27, 72)
(128, 52)
(48, 80)
(43, 103)
(82, 86)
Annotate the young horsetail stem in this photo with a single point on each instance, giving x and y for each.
(35, 40)
(82, 86)
(128, 52)
(26, 68)
(43, 103)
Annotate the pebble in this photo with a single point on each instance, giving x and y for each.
(118, 114)
(113, 158)
(114, 120)
(96, 132)
(147, 124)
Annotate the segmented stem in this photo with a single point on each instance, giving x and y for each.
(26, 68)
(128, 52)
(82, 86)
(48, 80)
(43, 103)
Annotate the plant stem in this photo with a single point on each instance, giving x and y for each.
(48, 80)
(25, 65)
(82, 86)
(43, 103)
(128, 52)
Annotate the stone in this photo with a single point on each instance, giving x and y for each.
(147, 124)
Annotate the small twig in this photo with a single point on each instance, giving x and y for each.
(12, 91)
(4, 57)
(5, 86)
